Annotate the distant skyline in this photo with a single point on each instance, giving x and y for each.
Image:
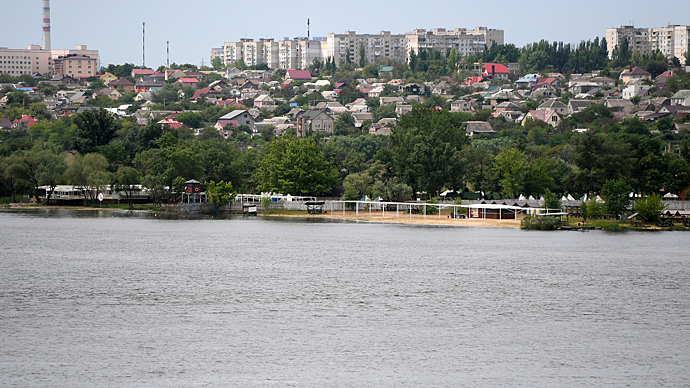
(115, 29)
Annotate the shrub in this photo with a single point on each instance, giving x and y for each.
(540, 223)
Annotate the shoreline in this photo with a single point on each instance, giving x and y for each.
(414, 220)
(376, 217)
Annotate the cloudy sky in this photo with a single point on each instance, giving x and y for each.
(194, 27)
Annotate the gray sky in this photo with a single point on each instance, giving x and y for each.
(194, 27)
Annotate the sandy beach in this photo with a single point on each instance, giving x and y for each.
(390, 217)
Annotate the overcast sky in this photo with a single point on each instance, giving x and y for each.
(194, 27)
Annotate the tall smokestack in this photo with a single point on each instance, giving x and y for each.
(46, 24)
(168, 50)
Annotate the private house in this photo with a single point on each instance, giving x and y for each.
(124, 83)
(636, 90)
(540, 91)
(506, 106)
(25, 120)
(553, 81)
(107, 78)
(298, 74)
(314, 121)
(682, 97)
(403, 109)
(5, 123)
(188, 82)
(461, 106)
(236, 118)
(604, 82)
(111, 93)
(264, 101)
(330, 95)
(360, 118)
(618, 105)
(331, 106)
(527, 81)
(358, 105)
(142, 73)
(206, 93)
(495, 70)
(440, 88)
(412, 88)
(579, 87)
(635, 73)
(575, 106)
(554, 104)
(383, 101)
(478, 127)
(375, 92)
(548, 116)
(145, 86)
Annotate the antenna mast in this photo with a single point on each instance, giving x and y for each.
(143, 46)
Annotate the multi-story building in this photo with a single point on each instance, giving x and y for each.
(75, 66)
(465, 42)
(81, 50)
(32, 60)
(381, 45)
(300, 52)
(671, 41)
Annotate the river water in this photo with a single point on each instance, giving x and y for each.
(107, 299)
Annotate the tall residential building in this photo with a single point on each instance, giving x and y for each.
(465, 42)
(381, 45)
(16, 62)
(299, 53)
(672, 41)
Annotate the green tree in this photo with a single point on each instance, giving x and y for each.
(616, 195)
(219, 194)
(362, 57)
(127, 180)
(650, 207)
(295, 166)
(551, 200)
(95, 128)
(511, 166)
(191, 119)
(217, 64)
(425, 150)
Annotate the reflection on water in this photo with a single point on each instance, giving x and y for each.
(115, 298)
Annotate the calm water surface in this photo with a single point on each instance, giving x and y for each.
(92, 299)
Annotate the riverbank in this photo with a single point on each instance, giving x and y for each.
(418, 219)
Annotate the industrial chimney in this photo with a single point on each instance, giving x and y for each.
(46, 25)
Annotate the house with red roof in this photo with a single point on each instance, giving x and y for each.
(172, 123)
(205, 92)
(188, 82)
(472, 80)
(298, 74)
(28, 120)
(495, 70)
(142, 72)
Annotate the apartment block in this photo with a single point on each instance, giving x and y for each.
(465, 42)
(75, 66)
(16, 62)
(381, 45)
(299, 53)
(81, 50)
(671, 41)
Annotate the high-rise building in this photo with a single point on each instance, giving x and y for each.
(671, 41)
(299, 53)
(32, 60)
(381, 45)
(465, 42)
